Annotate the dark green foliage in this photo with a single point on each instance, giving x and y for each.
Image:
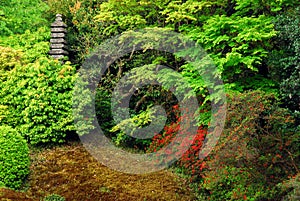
(285, 59)
(258, 7)
(14, 158)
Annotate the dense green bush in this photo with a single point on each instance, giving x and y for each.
(284, 60)
(39, 98)
(33, 44)
(14, 157)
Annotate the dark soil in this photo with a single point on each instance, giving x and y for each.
(70, 171)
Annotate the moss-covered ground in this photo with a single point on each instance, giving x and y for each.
(70, 171)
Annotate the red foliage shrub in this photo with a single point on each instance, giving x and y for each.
(189, 160)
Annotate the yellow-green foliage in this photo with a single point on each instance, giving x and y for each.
(39, 98)
(3, 112)
(9, 58)
(33, 44)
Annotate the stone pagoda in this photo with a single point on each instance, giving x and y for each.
(58, 44)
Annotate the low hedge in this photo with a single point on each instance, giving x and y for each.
(14, 158)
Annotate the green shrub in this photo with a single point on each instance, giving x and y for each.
(33, 44)
(14, 157)
(39, 98)
(54, 197)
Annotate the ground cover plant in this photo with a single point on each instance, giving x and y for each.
(255, 48)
